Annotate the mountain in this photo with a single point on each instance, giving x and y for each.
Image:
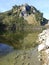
(29, 13)
(18, 22)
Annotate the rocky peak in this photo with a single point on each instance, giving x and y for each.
(27, 10)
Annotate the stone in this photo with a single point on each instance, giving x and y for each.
(23, 64)
(16, 56)
(43, 48)
(27, 63)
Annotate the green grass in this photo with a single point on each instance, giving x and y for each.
(21, 40)
(30, 40)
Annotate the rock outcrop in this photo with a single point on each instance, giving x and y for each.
(43, 48)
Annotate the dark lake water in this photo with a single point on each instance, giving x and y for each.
(5, 49)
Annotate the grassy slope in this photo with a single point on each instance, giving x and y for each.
(18, 39)
(28, 39)
(31, 19)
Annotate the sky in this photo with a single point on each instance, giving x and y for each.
(42, 5)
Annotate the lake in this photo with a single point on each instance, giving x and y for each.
(5, 49)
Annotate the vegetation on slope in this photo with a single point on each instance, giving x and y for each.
(15, 30)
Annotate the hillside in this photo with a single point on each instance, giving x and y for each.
(31, 19)
(24, 11)
(17, 23)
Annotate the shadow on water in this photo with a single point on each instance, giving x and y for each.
(5, 49)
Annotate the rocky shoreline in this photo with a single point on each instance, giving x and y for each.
(43, 47)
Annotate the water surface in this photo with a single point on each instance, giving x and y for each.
(5, 49)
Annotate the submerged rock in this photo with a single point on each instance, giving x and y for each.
(21, 57)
